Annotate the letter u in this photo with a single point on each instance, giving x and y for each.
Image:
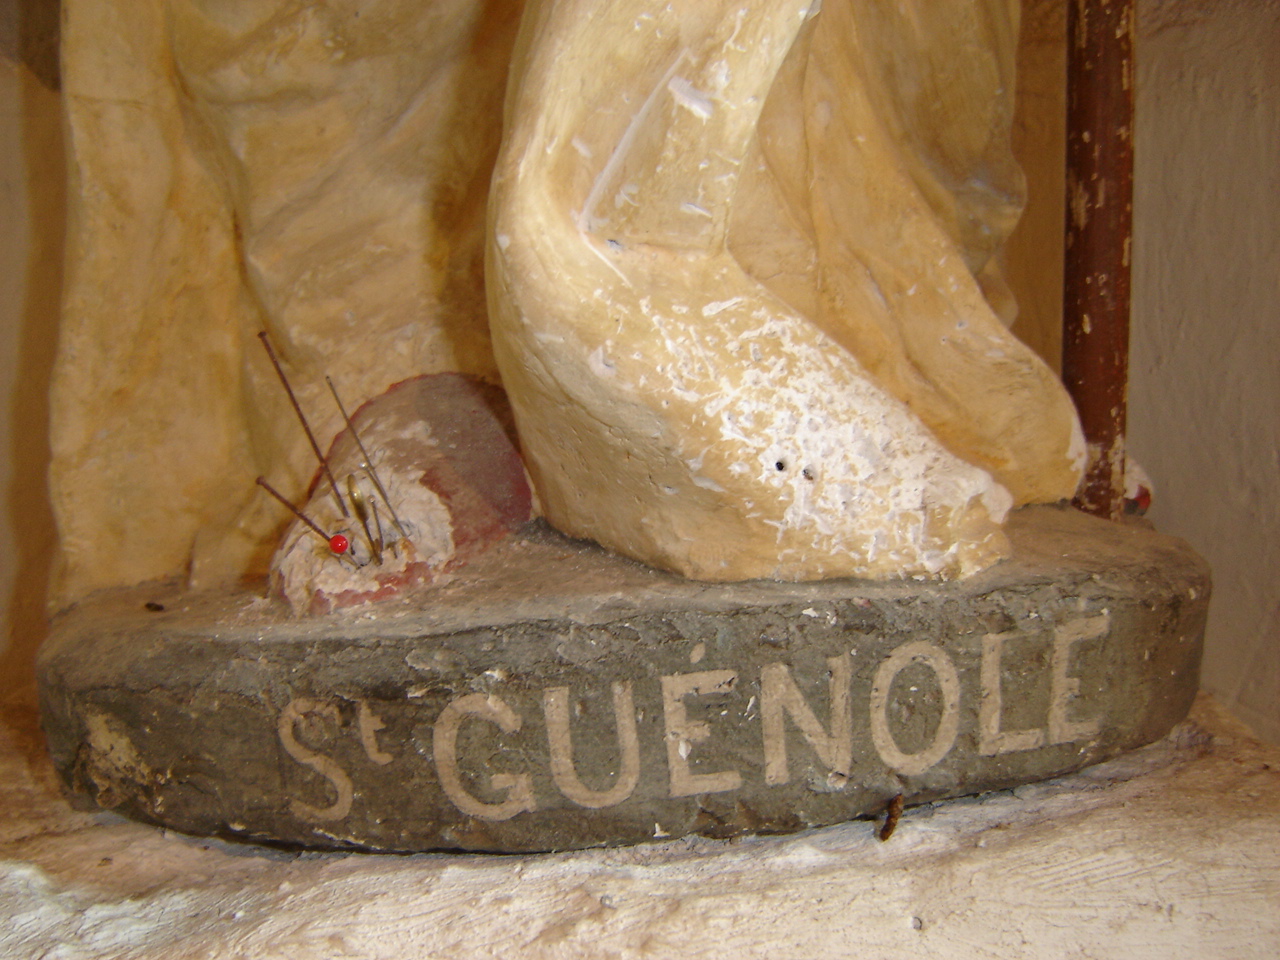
(555, 705)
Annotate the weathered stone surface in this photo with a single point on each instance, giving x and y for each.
(552, 696)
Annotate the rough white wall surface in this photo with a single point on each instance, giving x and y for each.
(1205, 366)
(1170, 852)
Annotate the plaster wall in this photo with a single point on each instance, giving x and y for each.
(1205, 382)
(32, 191)
(1204, 388)
(1205, 365)
(13, 244)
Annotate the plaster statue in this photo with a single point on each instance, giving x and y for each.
(737, 286)
(741, 265)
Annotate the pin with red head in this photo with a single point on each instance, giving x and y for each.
(338, 543)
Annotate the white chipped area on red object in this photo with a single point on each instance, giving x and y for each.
(311, 576)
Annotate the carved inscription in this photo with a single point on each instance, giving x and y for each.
(781, 698)
(555, 706)
(683, 733)
(916, 679)
(937, 660)
(519, 787)
(296, 711)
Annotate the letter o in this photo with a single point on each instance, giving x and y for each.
(936, 659)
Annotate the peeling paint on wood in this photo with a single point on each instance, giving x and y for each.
(1095, 347)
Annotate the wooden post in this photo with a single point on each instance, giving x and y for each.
(1099, 234)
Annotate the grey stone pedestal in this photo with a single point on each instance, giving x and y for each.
(551, 696)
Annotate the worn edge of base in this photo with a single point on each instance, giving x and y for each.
(101, 711)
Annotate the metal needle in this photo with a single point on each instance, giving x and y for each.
(302, 418)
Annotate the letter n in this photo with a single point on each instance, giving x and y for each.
(780, 697)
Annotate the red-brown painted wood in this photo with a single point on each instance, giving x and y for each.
(1099, 234)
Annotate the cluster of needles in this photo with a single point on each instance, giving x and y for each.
(364, 506)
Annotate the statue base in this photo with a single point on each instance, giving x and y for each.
(553, 696)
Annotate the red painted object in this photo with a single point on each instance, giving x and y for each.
(449, 433)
